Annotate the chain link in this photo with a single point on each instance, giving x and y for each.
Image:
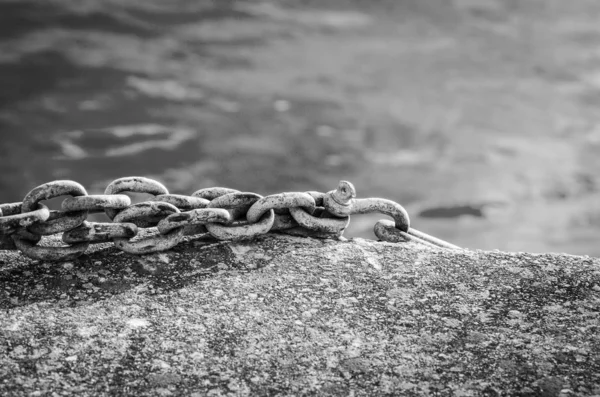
(149, 244)
(12, 218)
(239, 204)
(146, 214)
(163, 221)
(138, 184)
(321, 224)
(96, 232)
(96, 203)
(195, 217)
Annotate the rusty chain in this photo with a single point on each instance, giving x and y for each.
(226, 214)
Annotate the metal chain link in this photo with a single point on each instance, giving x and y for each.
(165, 219)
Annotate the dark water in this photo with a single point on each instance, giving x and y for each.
(482, 119)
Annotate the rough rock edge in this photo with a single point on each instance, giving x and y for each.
(298, 316)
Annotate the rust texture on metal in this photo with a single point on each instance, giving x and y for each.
(211, 193)
(238, 203)
(97, 202)
(339, 202)
(200, 216)
(99, 232)
(234, 200)
(52, 254)
(59, 222)
(146, 214)
(240, 230)
(137, 184)
(342, 202)
(184, 203)
(243, 230)
(383, 206)
(11, 222)
(149, 244)
(329, 225)
(280, 201)
(223, 213)
(50, 190)
(10, 209)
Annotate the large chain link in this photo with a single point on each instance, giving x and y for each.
(224, 213)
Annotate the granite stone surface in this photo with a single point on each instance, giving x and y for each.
(284, 315)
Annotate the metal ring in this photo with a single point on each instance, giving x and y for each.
(242, 231)
(383, 206)
(235, 200)
(200, 216)
(184, 203)
(146, 214)
(14, 221)
(137, 184)
(10, 209)
(50, 190)
(280, 201)
(211, 193)
(54, 254)
(96, 202)
(96, 232)
(59, 222)
(238, 203)
(147, 245)
(328, 225)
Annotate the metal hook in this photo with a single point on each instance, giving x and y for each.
(342, 202)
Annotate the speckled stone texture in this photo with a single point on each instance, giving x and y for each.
(298, 316)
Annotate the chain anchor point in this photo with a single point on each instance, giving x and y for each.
(339, 202)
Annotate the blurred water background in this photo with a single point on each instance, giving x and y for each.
(481, 117)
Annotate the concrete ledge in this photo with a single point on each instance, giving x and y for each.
(299, 316)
